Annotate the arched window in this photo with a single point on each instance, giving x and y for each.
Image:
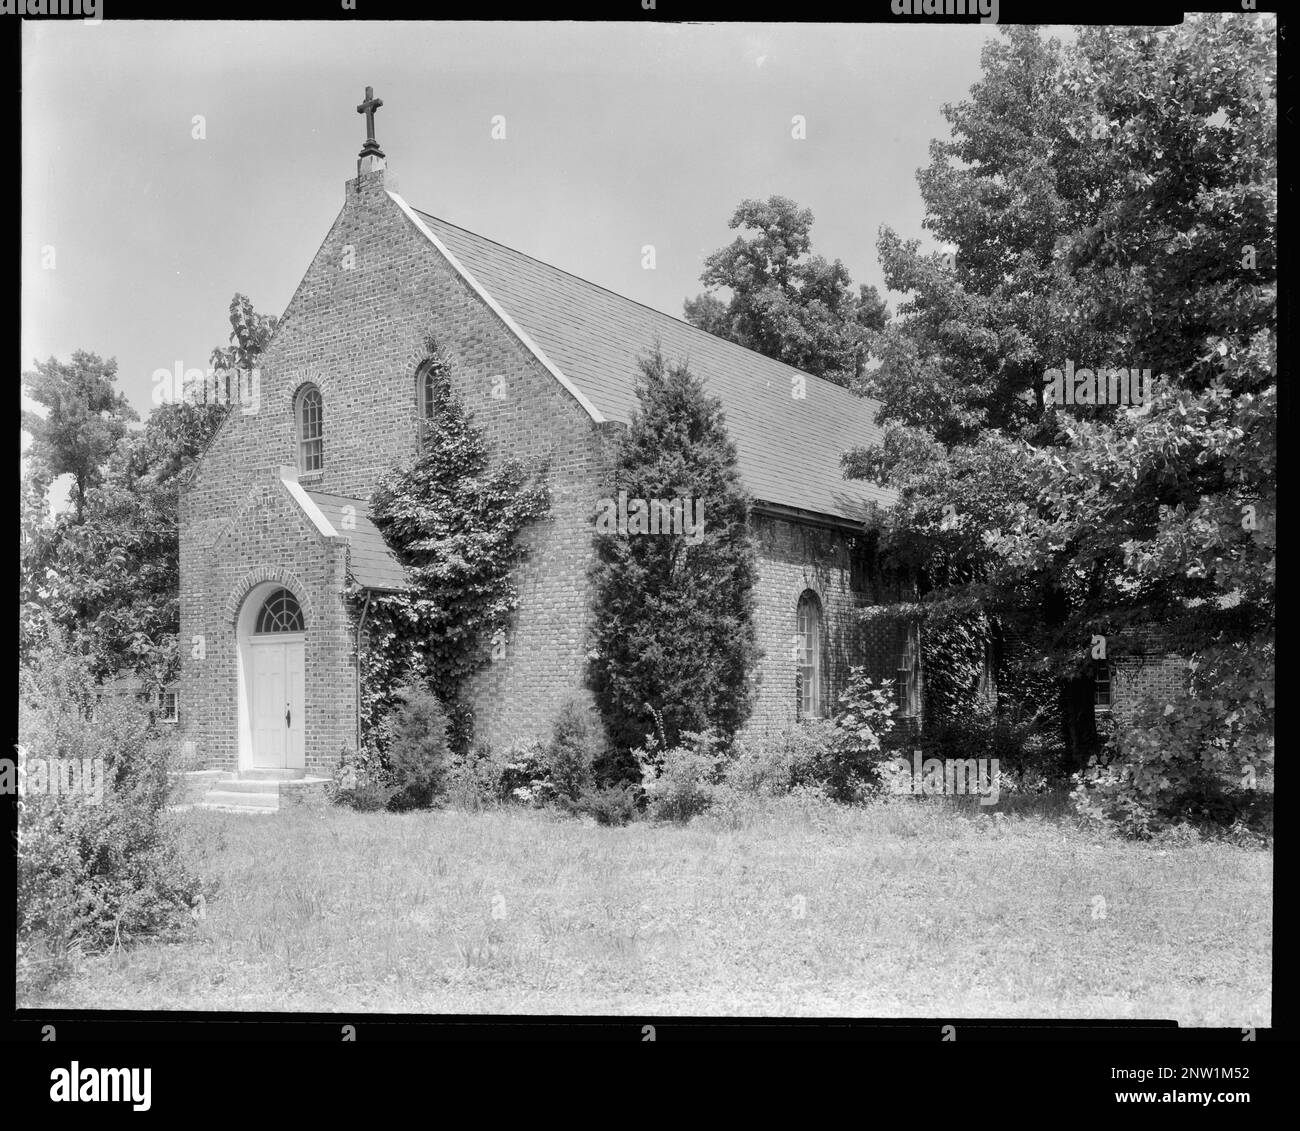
(809, 621)
(425, 401)
(424, 387)
(280, 612)
(309, 414)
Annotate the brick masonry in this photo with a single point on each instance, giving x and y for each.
(1132, 679)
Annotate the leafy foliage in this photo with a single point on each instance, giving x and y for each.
(1201, 760)
(108, 572)
(679, 781)
(94, 875)
(250, 334)
(786, 302)
(361, 780)
(1111, 202)
(85, 420)
(774, 764)
(863, 721)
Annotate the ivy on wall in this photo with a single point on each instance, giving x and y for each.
(454, 522)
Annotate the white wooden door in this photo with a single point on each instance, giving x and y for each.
(278, 698)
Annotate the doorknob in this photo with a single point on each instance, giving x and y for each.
(288, 716)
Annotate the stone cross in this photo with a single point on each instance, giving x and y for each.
(368, 108)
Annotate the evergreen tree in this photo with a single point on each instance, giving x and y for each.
(674, 630)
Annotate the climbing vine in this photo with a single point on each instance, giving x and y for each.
(454, 522)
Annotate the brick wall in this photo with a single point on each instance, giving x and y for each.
(263, 537)
(794, 557)
(1163, 676)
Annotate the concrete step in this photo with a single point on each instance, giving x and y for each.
(226, 797)
(245, 785)
(272, 775)
(255, 810)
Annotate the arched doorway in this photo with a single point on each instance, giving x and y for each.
(272, 639)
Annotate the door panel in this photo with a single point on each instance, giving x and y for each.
(268, 704)
(296, 696)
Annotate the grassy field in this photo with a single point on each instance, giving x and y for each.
(790, 908)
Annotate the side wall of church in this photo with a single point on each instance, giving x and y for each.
(795, 557)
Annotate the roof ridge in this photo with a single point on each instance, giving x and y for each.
(644, 306)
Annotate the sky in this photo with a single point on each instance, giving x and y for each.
(617, 136)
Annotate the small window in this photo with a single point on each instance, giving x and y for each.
(167, 704)
(280, 612)
(309, 412)
(1101, 688)
(809, 620)
(425, 391)
(907, 683)
(425, 400)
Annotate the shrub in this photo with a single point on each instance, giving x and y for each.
(94, 874)
(361, 781)
(476, 779)
(679, 782)
(850, 765)
(773, 764)
(569, 758)
(523, 773)
(562, 770)
(416, 735)
(612, 804)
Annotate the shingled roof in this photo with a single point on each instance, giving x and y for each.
(789, 448)
(370, 562)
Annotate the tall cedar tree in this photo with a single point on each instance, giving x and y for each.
(454, 522)
(674, 618)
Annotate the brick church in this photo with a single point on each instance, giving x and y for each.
(274, 521)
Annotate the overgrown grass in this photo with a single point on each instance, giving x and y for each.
(788, 906)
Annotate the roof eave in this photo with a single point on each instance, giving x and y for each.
(812, 518)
